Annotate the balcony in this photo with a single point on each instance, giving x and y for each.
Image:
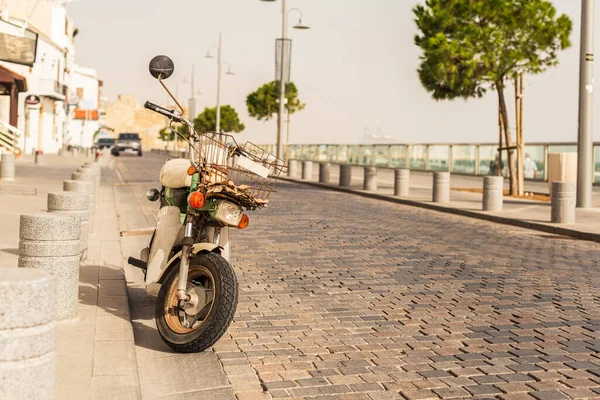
(52, 88)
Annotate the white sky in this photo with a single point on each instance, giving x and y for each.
(357, 63)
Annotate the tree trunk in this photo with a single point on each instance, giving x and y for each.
(500, 133)
(507, 138)
(519, 119)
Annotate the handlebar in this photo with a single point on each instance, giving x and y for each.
(180, 119)
(163, 111)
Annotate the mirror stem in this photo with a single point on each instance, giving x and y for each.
(171, 94)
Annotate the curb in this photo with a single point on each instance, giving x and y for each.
(536, 226)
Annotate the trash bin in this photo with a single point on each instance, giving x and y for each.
(562, 167)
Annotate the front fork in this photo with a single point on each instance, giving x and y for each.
(184, 266)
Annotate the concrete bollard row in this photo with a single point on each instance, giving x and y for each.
(307, 170)
(73, 203)
(563, 202)
(345, 175)
(441, 187)
(293, 168)
(7, 167)
(324, 172)
(370, 179)
(401, 182)
(27, 334)
(51, 242)
(493, 188)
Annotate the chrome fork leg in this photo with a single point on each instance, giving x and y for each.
(184, 266)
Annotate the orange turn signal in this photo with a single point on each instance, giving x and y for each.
(191, 170)
(197, 200)
(244, 222)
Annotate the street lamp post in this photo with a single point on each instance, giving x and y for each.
(279, 152)
(284, 36)
(192, 103)
(585, 157)
(219, 76)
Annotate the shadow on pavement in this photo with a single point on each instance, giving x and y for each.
(104, 286)
(142, 318)
(14, 252)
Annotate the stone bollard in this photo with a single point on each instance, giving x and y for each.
(27, 334)
(370, 179)
(493, 187)
(324, 169)
(7, 167)
(307, 170)
(441, 187)
(86, 177)
(87, 188)
(292, 168)
(345, 175)
(73, 203)
(401, 182)
(563, 202)
(52, 242)
(83, 176)
(94, 173)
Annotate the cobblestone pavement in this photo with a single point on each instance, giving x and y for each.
(344, 297)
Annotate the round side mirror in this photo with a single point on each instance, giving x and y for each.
(152, 195)
(161, 67)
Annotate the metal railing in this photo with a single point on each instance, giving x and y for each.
(468, 159)
(9, 136)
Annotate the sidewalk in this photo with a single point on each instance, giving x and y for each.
(524, 213)
(95, 354)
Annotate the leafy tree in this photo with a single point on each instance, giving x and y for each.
(263, 103)
(207, 121)
(166, 134)
(470, 46)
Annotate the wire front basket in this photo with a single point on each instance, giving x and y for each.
(249, 172)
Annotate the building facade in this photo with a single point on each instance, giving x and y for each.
(53, 81)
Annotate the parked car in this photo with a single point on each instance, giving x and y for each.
(105, 143)
(127, 142)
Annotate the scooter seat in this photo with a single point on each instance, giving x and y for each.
(174, 174)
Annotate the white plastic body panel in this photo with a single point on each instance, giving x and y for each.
(167, 229)
(173, 174)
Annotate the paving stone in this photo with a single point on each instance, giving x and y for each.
(482, 390)
(451, 393)
(549, 395)
(419, 395)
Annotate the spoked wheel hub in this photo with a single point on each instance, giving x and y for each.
(186, 316)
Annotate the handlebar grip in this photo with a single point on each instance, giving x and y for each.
(161, 110)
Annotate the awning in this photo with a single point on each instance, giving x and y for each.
(91, 115)
(9, 76)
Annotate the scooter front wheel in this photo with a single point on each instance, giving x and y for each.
(202, 321)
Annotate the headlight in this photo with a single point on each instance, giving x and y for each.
(228, 213)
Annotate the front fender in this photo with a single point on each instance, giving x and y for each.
(152, 288)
